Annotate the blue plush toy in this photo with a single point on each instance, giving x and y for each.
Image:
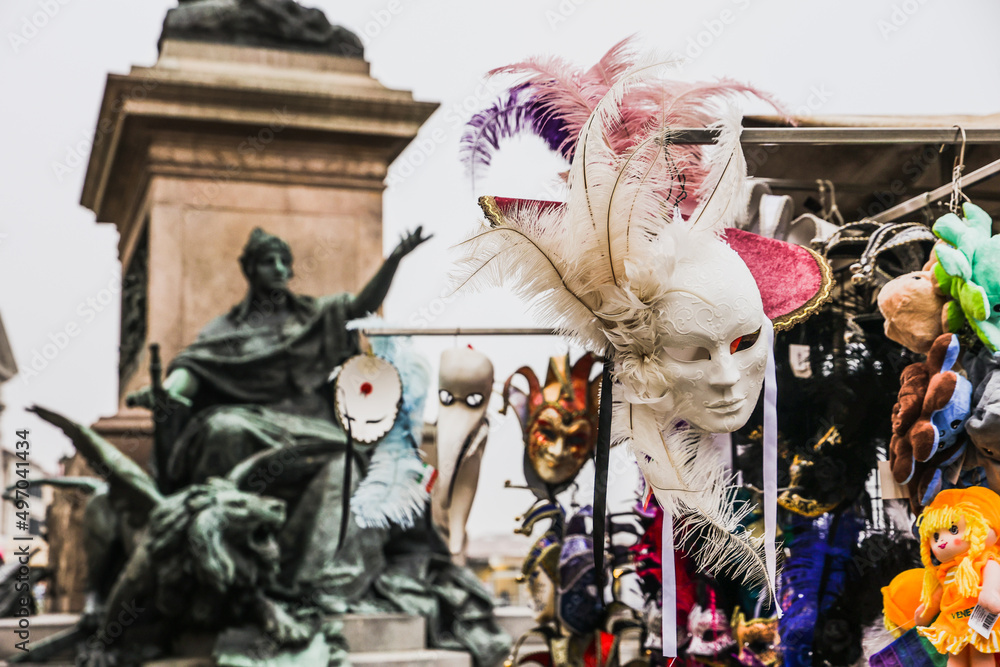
(946, 404)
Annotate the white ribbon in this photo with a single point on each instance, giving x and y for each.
(669, 591)
(770, 463)
(669, 576)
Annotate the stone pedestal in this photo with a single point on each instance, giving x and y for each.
(213, 140)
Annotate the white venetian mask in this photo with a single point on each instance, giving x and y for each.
(714, 352)
(368, 395)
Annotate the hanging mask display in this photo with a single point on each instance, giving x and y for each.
(368, 394)
(708, 624)
(757, 641)
(540, 569)
(464, 387)
(394, 489)
(714, 355)
(558, 421)
(642, 264)
(580, 607)
(690, 347)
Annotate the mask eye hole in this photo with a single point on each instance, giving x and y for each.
(446, 398)
(474, 400)
(547, 433)
(688, 354)
(744, 342)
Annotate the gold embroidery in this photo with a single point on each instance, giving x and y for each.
(804, 312)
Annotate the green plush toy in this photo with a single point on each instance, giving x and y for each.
(968, 270)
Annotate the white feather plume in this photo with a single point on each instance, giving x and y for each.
(600, 268)
(528, 252)
(694, 485)
(726, 189)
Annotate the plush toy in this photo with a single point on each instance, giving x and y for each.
(958, 535)
(968, 270)
(984, 422)
(900, 600)
(912, 309)
(933, 404)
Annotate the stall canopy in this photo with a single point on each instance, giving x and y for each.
(874, 162)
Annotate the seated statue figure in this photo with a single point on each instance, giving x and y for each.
(257, 378)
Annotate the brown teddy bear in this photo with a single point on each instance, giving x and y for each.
(912, 305)
(930, 413)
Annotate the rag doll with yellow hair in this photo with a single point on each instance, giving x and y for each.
(958, 547)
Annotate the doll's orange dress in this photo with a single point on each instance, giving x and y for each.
(950, 631)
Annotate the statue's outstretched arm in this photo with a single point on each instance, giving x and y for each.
(370, 298)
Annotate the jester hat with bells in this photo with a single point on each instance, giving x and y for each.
(682, 306)
(558, 422)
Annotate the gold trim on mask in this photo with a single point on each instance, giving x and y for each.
(491, 210)
(805, 311)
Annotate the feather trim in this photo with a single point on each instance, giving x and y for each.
(527, 251)
(725, 191)
(601, 269)
(689, 479)
(555, 100)
(516, 112)
(393, 492)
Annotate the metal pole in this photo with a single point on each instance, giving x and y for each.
(920, 201)
(471, 331)
(844, 135)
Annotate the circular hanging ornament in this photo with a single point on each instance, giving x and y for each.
(368, 395)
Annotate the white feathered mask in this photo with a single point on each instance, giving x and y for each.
(669, 299)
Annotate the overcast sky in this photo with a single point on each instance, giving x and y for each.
(59, 269)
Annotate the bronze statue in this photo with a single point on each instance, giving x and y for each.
(240, 530)
(256, 381)
(257, 378)
(204, 558)
(276, 24)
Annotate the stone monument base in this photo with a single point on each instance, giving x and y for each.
(394, 640)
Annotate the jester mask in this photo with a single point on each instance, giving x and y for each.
(558, 421)
(757, 641)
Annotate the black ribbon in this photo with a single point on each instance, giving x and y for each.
(602, 457)
(345, 499)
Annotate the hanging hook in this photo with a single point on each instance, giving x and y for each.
(821, 184)
(956, 176)
(834, 211)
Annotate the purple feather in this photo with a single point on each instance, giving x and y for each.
(513, 113)
(820, 558)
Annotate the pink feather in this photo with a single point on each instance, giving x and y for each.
(569, 94)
